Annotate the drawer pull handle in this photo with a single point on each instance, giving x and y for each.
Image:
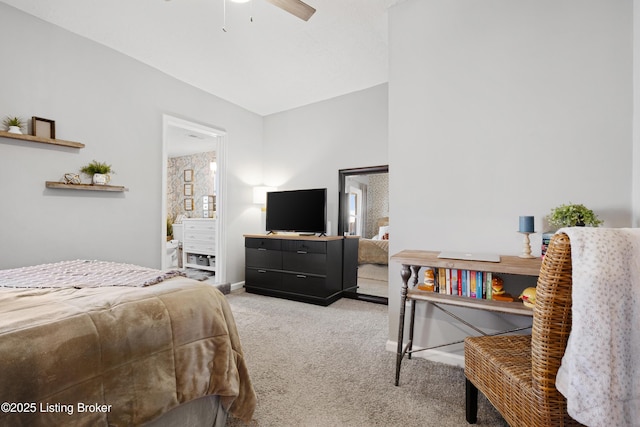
(301, 276)
(262, 271)
(302, 252)
(262, 249)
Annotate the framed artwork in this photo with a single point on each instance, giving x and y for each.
(188, 175)
(188, 190)
(43, 128)
(188, 204)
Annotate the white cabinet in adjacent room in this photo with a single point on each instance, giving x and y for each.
(199, 243)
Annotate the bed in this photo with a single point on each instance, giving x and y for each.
(90, 343)
(376, 249)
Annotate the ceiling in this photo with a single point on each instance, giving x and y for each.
(272, 63)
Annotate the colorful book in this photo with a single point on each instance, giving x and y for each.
(472, 284)
(447, 277)
(463, 284)
(479, 284)
(460, 282)
(442, 281)
(454, 281)
(488, 282)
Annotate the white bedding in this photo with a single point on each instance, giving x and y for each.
(600, 370)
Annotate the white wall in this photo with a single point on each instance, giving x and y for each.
(499, 109)
(114, 105)
(305, 147)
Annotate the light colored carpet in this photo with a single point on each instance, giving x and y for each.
(373, 287)
(373, 279)
(374, 272)
(328, 367)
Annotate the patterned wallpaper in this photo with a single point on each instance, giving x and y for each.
(377, 201)
(202, 181)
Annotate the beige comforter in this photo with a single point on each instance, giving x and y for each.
(117, 356)
(373, 251)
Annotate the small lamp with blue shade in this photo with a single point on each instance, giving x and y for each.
(526, 228)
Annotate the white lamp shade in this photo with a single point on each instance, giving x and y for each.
(260, 194)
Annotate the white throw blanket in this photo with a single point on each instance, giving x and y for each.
(83, 274)
(600, 370)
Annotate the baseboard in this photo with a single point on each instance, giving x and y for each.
(237, 285)
(432, 355)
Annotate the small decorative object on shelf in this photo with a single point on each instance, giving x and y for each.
(528, 297)
(526, 228)
(72, 178)
(526, 224)
(429, 281)
(44, 128)
(573, 215)
(14, 124)
(99, 172)
(497, 290)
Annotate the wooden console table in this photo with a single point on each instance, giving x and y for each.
(412, 261)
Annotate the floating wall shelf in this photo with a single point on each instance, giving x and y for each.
(42, 140)
(89, 187)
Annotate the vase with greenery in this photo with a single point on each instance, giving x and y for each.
(99, 172)
(573, 215)
(13, 124)
(169, 228)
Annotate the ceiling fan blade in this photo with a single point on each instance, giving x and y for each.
(295, 7)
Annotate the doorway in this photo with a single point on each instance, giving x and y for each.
(182, 192)
(363, 210)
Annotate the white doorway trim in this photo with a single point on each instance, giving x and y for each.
(220, 136)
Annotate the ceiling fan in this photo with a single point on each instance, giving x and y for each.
(295, 7)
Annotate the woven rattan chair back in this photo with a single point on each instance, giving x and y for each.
(517, 373)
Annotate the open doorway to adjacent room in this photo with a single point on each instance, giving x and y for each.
(193, 179)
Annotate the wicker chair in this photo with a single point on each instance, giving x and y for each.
(517, 373)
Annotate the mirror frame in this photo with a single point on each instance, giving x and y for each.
(343, 211)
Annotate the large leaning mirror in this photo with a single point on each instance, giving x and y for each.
(363, 213)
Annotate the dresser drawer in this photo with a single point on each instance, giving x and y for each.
(304, 246)
(262, 278)
(192, 235)
(312, 263)
(199, 247)
(264, 258)
(304, 285)
(206, 225)
(264, 244)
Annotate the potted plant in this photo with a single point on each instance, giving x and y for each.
(573, 215)
(169, 228)
(98, 171)
(13, 124)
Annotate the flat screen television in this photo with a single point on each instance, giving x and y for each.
(303, 211)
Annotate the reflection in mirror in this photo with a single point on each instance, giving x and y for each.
(363, 211)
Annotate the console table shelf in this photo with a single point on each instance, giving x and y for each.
(89, 187)
(508, 264)
(413, 260)
(42, 140)
(479, 304)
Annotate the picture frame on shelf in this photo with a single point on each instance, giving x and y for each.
(188, 190)
(43, 128)
(188, 175)
(188, 204)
